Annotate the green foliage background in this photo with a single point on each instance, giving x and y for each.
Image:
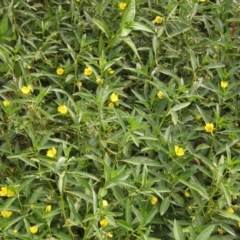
(123, 154)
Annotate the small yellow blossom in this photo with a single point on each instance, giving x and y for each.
(114, 97)
(60, 71)
(187, 194)
(179, 151)
(109, 234)
(230, 210)
(220, 230)
(5, 192)
(216, 48)
(160, 95)
(198, 117)
(215, 56)
(62, 109)
(6, 103)
(105, 203)
(99, 81)
(29, 67)
(48, 208)
(52, 152)
(154, 200)
(26, 89)
(104, 222)
(79, 84)
(77, 0)
(15, 231)
(111, 105)
(234, 197)
(110, 71)
(209, 127)
(122, 5)
(88, 71)
(158, 19)
(224, 84)
(6, 214)
(202, 0)
(190, 207)
(33, 229)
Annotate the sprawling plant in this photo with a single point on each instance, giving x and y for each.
(119, 120)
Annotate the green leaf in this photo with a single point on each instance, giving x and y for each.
(164, 205)
(197, 187)
(131, 44)
(228, 215)
(4, 25)
(129, 13)
(180, 106)
(227, 194)
(177, 32)
(206, 233)
(174, 117)
(137, 26)
(142, 160)
(177, 231)
(125, 225)
(102, 25)
(215, 65)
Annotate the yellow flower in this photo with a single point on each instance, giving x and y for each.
(216, 48)
(105, 203)
(209, 127)
(215, 56)
(160, 95)
(6, 103)
(224, 84)
(26, 89)
(104, 222)
(29, 67)
(202, 0)
(111, 105)
(122, 5)
(60, 71)
(62, 109)
(187, 194)
(179, 151)
(48, 208)
(15, 231)
(198, 117)
(6, 214)
(114, 97)
(52, 152)
(154, 200)
(109, 235)
(77, 0)
(158, 19)
(33, 229)
(5, 192)
(110, 71)
(88, 71)
(230, 210)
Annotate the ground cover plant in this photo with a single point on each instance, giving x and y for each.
(119, 120)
